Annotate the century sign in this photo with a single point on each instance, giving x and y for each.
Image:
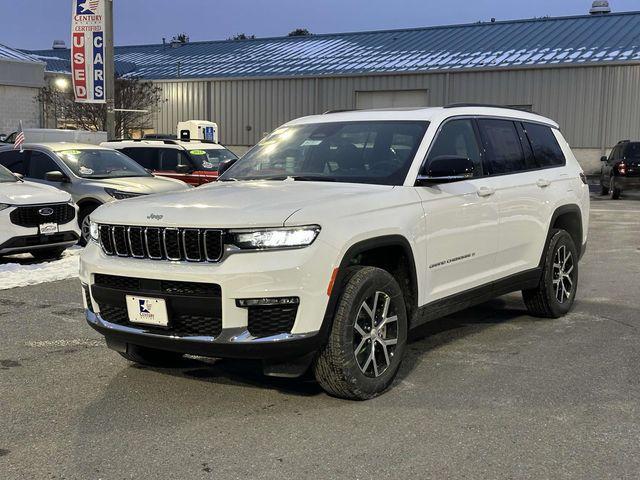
(87, 50)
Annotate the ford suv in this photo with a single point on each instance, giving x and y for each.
(337, 234)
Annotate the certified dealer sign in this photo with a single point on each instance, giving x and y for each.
(87, 50)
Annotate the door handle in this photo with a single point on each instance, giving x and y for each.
(543, 182)
(485, 191)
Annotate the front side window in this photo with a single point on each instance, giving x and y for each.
(546, 149)
(376, 152)
(40, 164)
(14, 160)
(457, 138)
(90, 163)
(6, 176)
(504, 152)
(170, 158)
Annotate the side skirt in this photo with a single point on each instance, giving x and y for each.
(475, 296)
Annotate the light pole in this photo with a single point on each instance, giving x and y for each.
(109, 70)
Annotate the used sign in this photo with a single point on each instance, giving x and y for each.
(87, 50)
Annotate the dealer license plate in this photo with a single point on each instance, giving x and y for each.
(147, 311)
(48, 228)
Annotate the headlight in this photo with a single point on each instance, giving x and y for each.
(4, 206)
(94, 231)
(120, 195)
(258, 239)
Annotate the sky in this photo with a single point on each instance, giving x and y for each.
(147, 21)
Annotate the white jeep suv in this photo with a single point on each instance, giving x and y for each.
(337, 234)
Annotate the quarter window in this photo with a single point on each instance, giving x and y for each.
(546, 149)
(457, 138)
(504, 152)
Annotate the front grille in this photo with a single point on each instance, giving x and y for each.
(194, 309)
(265, 321)
(156, 243)
(31, 216)
(181, 325)
(169, 287)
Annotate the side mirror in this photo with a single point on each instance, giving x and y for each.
(226, 165)
(604, 159)
(183, 169)
(447, 169)
(56, 176)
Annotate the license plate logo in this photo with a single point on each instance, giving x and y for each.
(148, 311)
(48, 228)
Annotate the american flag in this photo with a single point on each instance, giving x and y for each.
(19, 139)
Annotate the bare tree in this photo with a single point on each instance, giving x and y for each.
(130, 94)
(242, 36)
(300, 32)
(180, 38)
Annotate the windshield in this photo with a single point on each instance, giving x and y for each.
(379, 152)
(101, 164)
(6, 176)
(209, 158)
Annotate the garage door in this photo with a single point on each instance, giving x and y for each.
(392, 99)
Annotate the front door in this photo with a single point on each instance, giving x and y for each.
(461, 217)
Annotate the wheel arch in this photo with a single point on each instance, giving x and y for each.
(569, 218)
(85, 202)
(369, 252)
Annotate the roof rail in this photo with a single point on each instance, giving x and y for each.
(624, 141)
(342, 110)
(488, 105)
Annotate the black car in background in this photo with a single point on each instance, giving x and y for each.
(621, 169)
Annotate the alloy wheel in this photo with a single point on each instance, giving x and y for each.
(85, 228)
(563, 274)
(375, 334)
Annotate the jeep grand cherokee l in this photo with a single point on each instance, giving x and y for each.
(337, 234)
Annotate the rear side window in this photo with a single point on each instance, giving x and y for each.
(14, 160)
(632, 152)
(503, 147)
(146, 157)
(546, 149)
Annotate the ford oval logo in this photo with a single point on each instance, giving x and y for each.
(45, 212)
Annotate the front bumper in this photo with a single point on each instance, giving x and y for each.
(303, 273)
(18, 239)
(231, 343)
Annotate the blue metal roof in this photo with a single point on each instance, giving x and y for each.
(8, 53)
(541, 41)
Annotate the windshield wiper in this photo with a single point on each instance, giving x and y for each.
(312, 178)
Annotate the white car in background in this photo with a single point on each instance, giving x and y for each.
(35, 219)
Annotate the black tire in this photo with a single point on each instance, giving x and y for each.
(82, 214)
(543, 300)
(152, 357)
(336, 367)
(614, 192)
(48, 253)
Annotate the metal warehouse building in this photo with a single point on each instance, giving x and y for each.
(583, 71)
(20, 78)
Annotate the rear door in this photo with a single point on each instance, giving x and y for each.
(15, 160)
(524, 194)
(461, 218)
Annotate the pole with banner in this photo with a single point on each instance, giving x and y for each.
(92, 69)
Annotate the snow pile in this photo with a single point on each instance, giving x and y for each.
(26, 272)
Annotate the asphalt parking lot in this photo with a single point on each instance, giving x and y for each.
(487, 393)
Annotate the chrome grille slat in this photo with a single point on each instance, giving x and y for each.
(159, 243)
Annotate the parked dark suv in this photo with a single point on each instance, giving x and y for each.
(621, 169)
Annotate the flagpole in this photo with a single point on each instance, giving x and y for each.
(109, 70)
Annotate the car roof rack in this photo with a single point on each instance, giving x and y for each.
(488, 105)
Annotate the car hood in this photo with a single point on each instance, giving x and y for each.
(233, 204)
(28, 193)
(144, 185)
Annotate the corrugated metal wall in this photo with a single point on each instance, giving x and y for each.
(596, 106)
